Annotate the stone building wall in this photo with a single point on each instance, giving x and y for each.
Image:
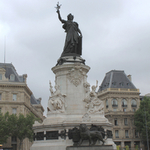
(121, 99)
(121, 114)
(15, 97)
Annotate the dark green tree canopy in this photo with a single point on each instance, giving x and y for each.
(18, 126)
(5, 127)
(142, 119)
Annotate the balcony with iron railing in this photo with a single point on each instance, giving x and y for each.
(114, 105)
(133, 105)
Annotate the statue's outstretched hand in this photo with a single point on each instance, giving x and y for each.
(58, 7)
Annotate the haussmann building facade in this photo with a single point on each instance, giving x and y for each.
(15, 98)
(121, 99)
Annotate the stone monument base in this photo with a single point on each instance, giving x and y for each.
(70, 105)
(100, 147)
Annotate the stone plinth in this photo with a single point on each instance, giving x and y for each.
(71, 78)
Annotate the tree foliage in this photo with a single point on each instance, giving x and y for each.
(5, 127)
(18, 126)
(23, 127)
(142, 119)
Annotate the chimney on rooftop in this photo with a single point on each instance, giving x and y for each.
(25, 78)
(129, 77)
(39, 100)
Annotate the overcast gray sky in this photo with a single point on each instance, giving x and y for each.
(116, 35)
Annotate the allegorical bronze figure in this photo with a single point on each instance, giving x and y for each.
(73, 42)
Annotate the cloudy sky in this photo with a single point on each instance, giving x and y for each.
(116, 35)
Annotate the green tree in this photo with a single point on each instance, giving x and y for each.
(18, 126)
(118, 147)
(5, 127)
(142, 119)
(136, 147)
(23, 127)
(127, 147)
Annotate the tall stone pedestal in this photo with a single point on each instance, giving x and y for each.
(70, 104)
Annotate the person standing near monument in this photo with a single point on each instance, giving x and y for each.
(73, 42)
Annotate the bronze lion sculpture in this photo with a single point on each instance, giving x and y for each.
(92, 136)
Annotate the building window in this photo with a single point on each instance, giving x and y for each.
(136, 134)
(124, 103)
(13, 139)
(126, 134)
(114, 109)
(14, 97)
(125, 121)
(115, 122)
(134, 109)
(133, 103)
(124, 109)
(14, 146)
(121, 84)
(12, 77)
(14, 110)
(128, 84)
(114, 103)
(0, 76)
(116, 133)
(0, 96)
(107, 103)
(113, 83)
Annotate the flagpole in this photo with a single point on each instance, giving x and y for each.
(4, 49)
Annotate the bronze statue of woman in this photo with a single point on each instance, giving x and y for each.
(73, 42)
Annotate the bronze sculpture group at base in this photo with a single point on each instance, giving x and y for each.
(92, 135)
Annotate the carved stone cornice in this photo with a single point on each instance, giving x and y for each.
(29, 107)
(66, 67)
(16, 85)
(119, 91)
(118, 113)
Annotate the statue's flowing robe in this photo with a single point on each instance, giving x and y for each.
(73, 40)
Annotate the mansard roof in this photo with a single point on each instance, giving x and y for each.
(116, 79)
(10, 69)
(33, 100)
